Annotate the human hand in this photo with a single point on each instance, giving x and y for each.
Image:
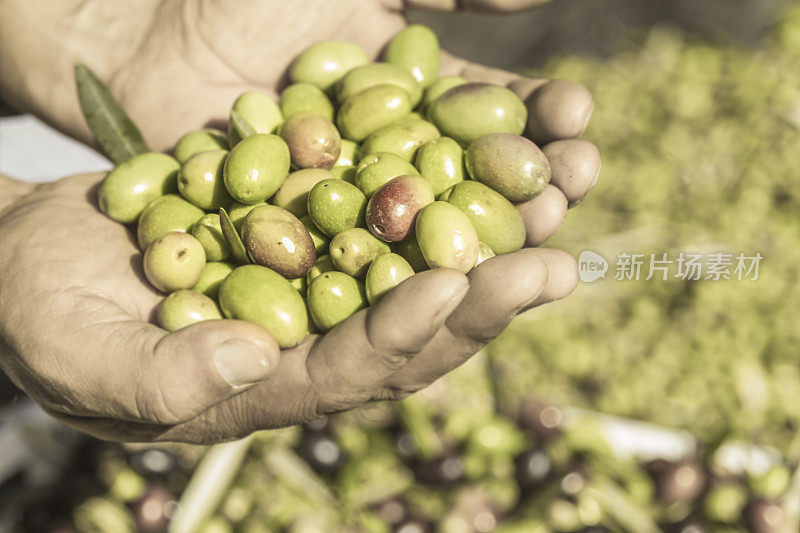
(76, 332)
(75, 321)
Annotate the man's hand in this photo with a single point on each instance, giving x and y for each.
(76, 313)
(76, 332)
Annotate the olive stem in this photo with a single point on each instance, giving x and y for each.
(208, 485)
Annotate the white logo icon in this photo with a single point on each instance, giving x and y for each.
(591, 266)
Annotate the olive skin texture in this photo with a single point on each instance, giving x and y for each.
(559, 109)
(470, 111)
(416, 49)
(334, 297)
(293, 194)
(446, 237)
(510, 164)
(276, 239)
(212, 277)
(484, 253)
(372, 109)
(409, 250)
(208, 231)
(199, 141)
(165, 214)
(261, 295)
(256, 168)
(320, 240)
(324, 64)
(385, 273)
(305, 97)
(496, 221)
(335, 206)
(543, 215)
(574, 167)
(184, 307)
(441, 162)
(200, 180)
(238, 211)
(132, 185)
(392, 210)
(374, 170)
(324, 264)
(352, 251)
(438, 88)
(174, 261)
(259, 110)
(366, 76)
(347, 173)
(403, 138)
(347, 154)
(313, 140)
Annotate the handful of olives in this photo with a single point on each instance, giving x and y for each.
(311, 208)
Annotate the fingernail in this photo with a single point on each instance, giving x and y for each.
(448, 307)
(240, 363)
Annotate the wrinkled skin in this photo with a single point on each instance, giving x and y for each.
(76, 315)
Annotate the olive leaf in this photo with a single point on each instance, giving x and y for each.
(110, 125)
(241, 126)
(232, 237)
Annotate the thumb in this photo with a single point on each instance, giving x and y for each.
(169, 379)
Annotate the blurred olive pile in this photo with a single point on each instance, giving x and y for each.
(699, 148)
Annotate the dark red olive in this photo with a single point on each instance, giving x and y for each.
(533, 468)
(322, 452)
(542, 420)
(680, 482)
(151, 512)
(765, 516)
(392, 511)
(446, 469)
(392, 211)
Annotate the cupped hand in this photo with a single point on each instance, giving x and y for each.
(76, 313)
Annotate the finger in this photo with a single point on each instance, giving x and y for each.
(500, 288)
(356, 358)
(574, 167)
(543, 215)
(562, 272)
(135, 371)
(486, 6)
(557, 109)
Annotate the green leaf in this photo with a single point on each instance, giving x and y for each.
(111, 126)
(241, 126)
(232, 237)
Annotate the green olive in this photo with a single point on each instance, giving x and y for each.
(324, 264)
(276, 239)
(409, 250)
(259, 110)
(324, 64)
(200, 180)
(238, 211)
(305, 97)
(375, 170)
(385, 273)
(441, 162)
(211, 278)
(403, 138)
(200, 141)
(333, 297)
(167, 213)
(208, 231)
(183, 308)
(313, 140)
(347, 173)
(446, 237)
(510, 164)
(256, 168)
(321, 241)
(335, 206)
(484, 253)
(495, 219)
(371, 109)
(348, 154)
(293, 194)
(416, 49)
(472, 110)
(261, 295)
(366, 76)
(174, 261)
(438, 88)
(352, 251)
(127, 189)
